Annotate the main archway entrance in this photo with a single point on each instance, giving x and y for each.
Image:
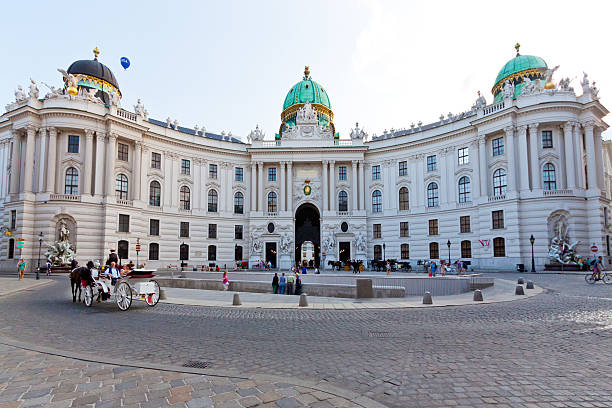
(308, 230)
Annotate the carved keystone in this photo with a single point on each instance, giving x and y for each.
(162, 294)
(478, 295)
(303, 300)
(427, 300)
(529, 285)
(236, 301)
(519, 290)
(521, 281)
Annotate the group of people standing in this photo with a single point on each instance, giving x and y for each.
(287, 285)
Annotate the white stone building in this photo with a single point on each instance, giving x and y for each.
(486, 179)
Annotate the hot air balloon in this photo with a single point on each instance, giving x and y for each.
(125, 63)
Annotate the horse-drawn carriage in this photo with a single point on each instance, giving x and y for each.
(137, 283)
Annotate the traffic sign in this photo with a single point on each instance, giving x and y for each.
(20, 243)
(594, 248)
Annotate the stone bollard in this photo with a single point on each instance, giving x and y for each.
(162, 294)
(519, 290)
(478, 295)
(521, 281)
(303, 300)
(236, 301)
(427, 300)
(529, 285)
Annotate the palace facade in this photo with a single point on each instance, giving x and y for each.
(532, 163)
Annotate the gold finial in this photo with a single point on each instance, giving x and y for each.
(96, 52)
(306, 72)
(516, 47)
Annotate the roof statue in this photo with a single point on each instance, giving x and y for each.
(33, 90)
(255, 135)
(20, 96)
(548, 73)
(481, 102)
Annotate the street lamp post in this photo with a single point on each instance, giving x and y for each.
(40, 239)
(384, 255)
(448, 244)
(532, 240)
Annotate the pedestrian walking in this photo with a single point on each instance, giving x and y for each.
(225, 281)
(388, 265)
(21, 266)
(434, 268)
(298, 286)
(282, 284)
(48, 268)
(290, 280)
(275, 283)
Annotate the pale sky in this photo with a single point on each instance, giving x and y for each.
(228, 65)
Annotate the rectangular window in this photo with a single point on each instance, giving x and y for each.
(432, 163)
(212, 230)
(403, 168)
(73, 144)
(377, 231)
(184, 230)
(433, 227)
(547, 141)
(498, 219)
(272, 174)
(376, 172)
(238, 174)
(124, 223)
(122, 150)
(153, 227)
(498, 146)
(237, 231)
(434, 250)
(464, 224)
(404, 232)
(185, 167)
(212, 171)
(342, 173)
(405, 251)
(466, 249)
(153, 252)
(155, 160)
(499, 247)
(13, 219)
(463, 156)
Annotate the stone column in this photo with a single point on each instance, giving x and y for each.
(511, 178)
(197, 183)
(100, 163)
(589, 144)
(28, 170)
(599, 166)
(167, 186)
(41, 161)
(452, 191)
(482, 165)
(111, 156)
(332, 185)
(4, 165)
(325, 185)
(16, 163)
(260, 187)
(579, 158)
(354, 189)
(253, 187)
(229, 187)
(290, 187)
(420, 180)
(523, 170)
(202, 189)
(444, 181)
(88, 162)
(534, 149)
(144, 169)
(474, 182)
(174, 194)
(283, 193)
(136, 168)
(361, 191)
(392, 170)
(570, 162)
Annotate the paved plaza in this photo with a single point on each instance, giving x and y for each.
(550, 350)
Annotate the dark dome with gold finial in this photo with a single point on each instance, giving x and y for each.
(94, 74)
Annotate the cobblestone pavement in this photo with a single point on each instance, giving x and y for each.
(553, 350)
(30, 379)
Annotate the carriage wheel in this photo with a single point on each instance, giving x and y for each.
(88, 300)
(153, 298)
(123, 295)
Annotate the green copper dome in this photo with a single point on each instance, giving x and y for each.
(304, 91)
(518, 64)
(515, 71)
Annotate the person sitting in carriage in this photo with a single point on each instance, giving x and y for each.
(87, 279)
(113, 272)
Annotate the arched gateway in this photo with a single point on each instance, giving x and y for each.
(307, 229)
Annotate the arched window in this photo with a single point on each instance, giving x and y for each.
(72, 181)
(121, 187)
(499, 182)
(153, 252)
(466, 249)
(238, 253)
(404, 204)
(499, 247)
(376, 201)
(377, 252)
(238, 203)
(464, 190)
(185, 198)
(550, 177)
(184, 252)
(212, 252)
(155, 193)
(405, 251)
(432, 195)
(342, 201)
(213, 200)
(272, 201)
(434, 250)
(123, 249)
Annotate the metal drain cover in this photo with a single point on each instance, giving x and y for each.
(380, 334)
(197, 364)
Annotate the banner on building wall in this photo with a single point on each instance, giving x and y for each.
(484, 243)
